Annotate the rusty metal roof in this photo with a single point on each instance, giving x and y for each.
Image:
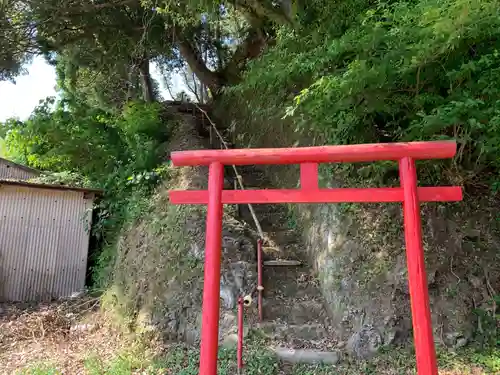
(20, 166)
(50, 186)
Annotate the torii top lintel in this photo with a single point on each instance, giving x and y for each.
(318, 154)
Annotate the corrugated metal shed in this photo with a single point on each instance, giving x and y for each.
(44, 239)
(11, 170)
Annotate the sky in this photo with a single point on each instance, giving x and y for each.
(19, 99)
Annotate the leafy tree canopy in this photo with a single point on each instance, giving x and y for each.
(355, 72)
(117, 39)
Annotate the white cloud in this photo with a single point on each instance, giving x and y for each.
(19, 99)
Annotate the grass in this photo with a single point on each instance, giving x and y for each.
(183, 360)
(402, 362)
(40, 369)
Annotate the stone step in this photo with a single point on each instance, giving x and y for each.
(268, 225)
(282, 263)
(294, 311)
(308, 356)
(267, 211)
(294, 332)
(268, 221)
(271, 213)
(285, 236)
(292, 252)
(289, 282)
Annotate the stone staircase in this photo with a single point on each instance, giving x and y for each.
(294, 315)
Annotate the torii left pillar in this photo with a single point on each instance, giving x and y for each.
(210, 324)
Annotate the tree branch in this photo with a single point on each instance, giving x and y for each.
(278, 15)
(93, 7)
(195, 61)
(252, 47)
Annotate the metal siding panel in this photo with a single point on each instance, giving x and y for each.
(8, 171)
(26, 276)
(43, 240)
(66, 250)
(59, 223)
(73, 247)
(13, 208)
(43, 243)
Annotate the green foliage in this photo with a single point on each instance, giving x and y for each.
(489, 322)
(387, 71)
(149, 178)
(102, 51)
(39, 369)
(122, 365)
(17, 41)
(489, 359)
(93, 142)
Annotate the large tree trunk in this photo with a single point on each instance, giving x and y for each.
(146, 82)
(195, 61)
(250, 49)
(130, 82)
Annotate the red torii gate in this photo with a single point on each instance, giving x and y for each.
(309, 192)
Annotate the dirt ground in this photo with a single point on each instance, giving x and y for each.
(60, 335)
(76, 337)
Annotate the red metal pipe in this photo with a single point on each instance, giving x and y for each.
(239, 352)
(425, 194)
(260, 287)
(417, 279)
(211, 286)
(319, 154)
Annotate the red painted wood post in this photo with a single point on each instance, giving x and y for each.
(417, 279)
(211, 286)
(239, 353)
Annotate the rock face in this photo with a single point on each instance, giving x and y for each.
(360, 260)
(158, 276)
